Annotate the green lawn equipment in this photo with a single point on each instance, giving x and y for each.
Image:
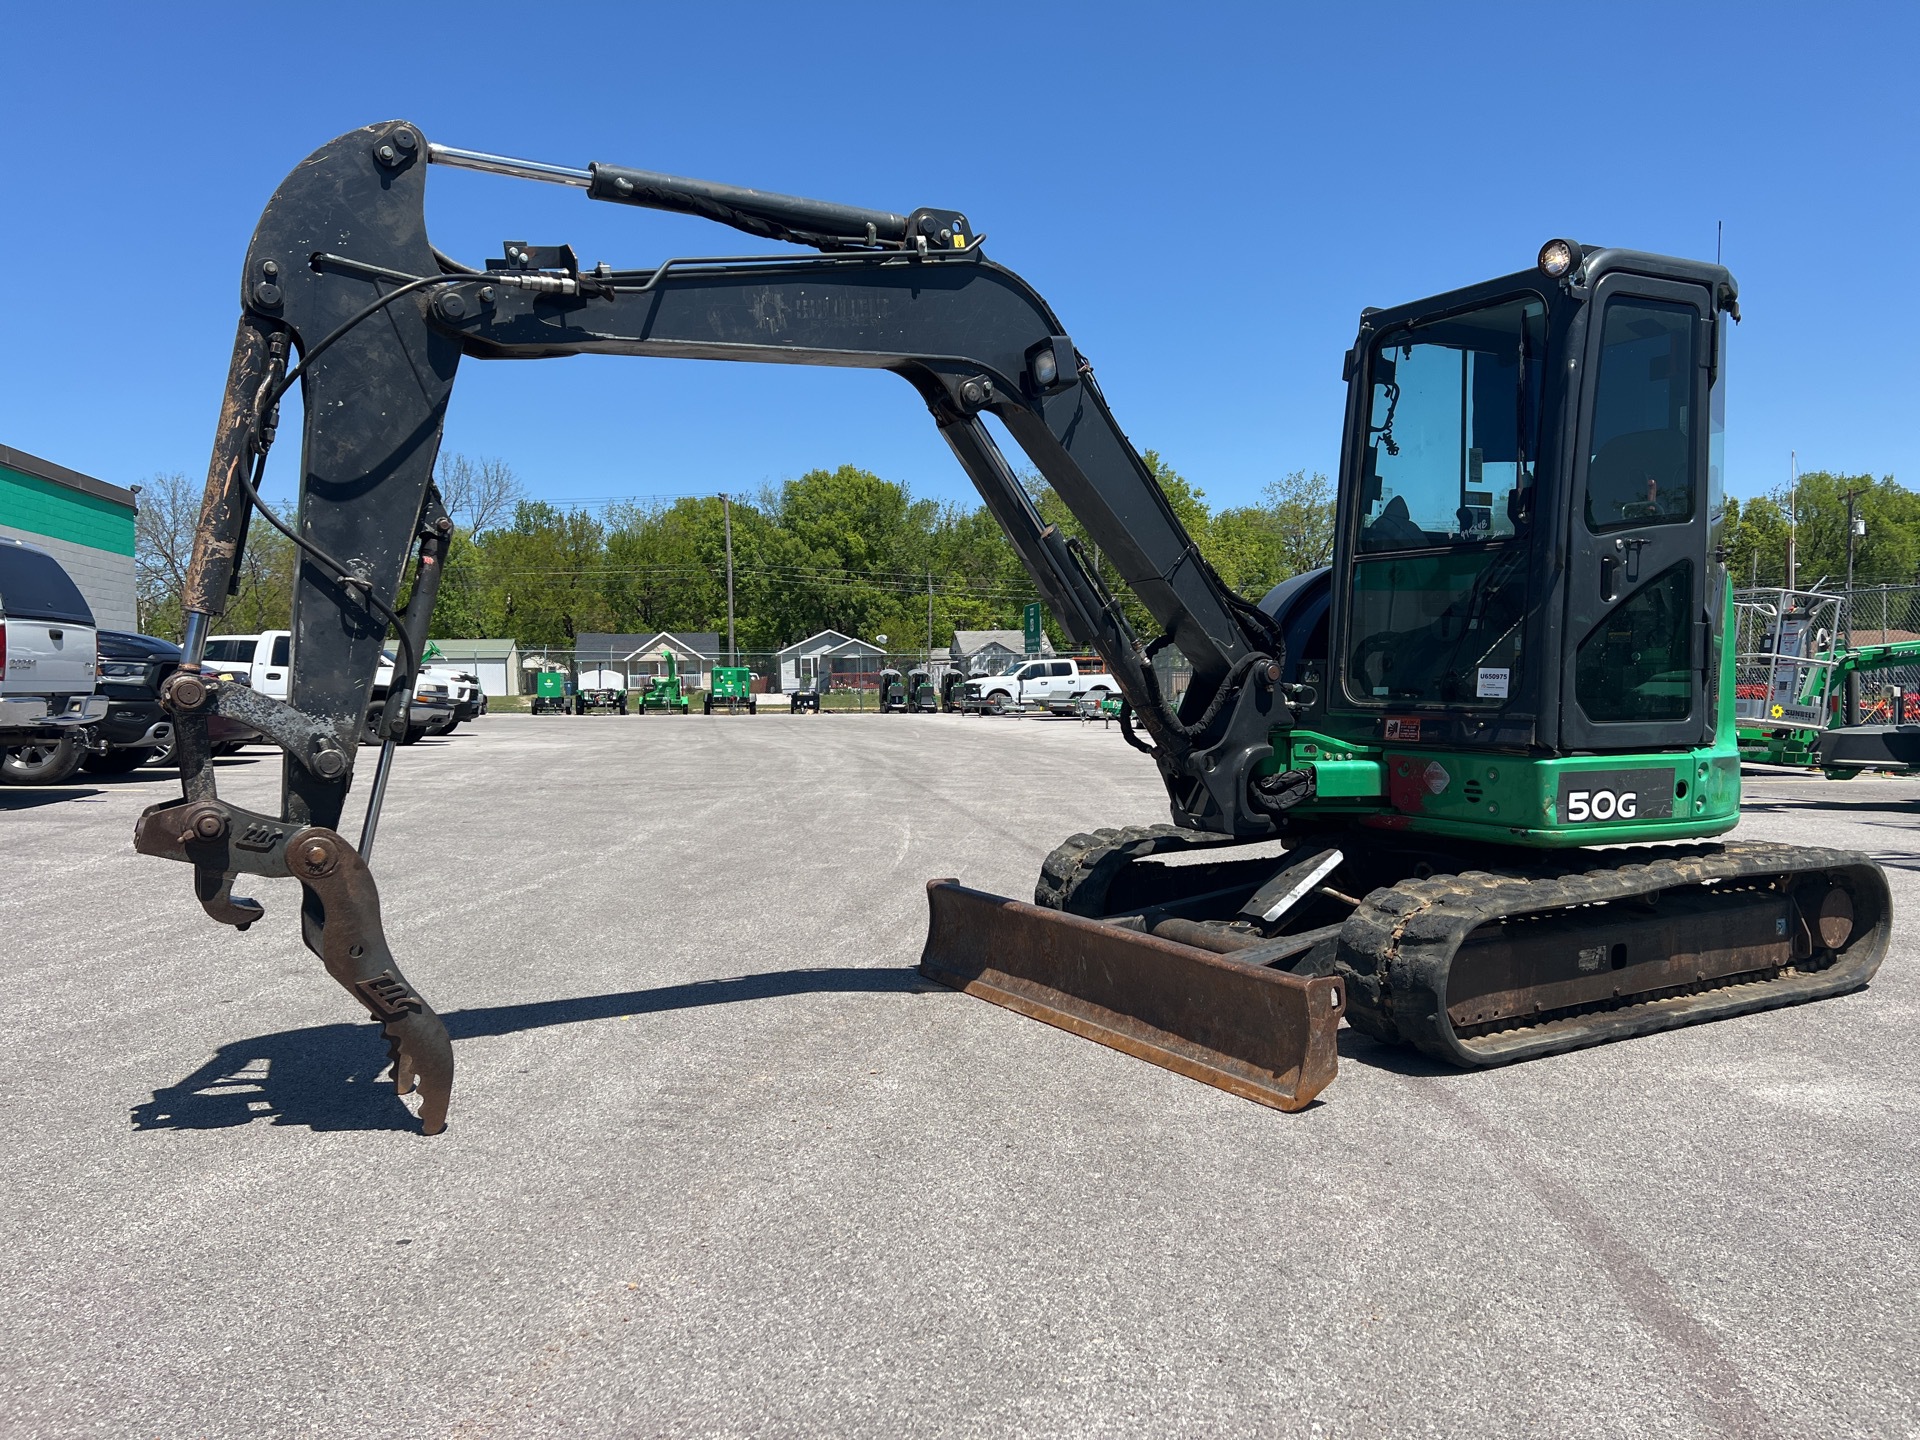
(923, 696)
(893, 692)
(665, 694)
(732, 689)
(550, 694)
(611, 699)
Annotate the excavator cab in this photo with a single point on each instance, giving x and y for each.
(1526, 553)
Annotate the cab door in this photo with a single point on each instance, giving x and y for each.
(1639, 635)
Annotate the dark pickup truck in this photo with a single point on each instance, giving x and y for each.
(136, 730)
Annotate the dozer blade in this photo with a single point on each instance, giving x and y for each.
(1262, 1034)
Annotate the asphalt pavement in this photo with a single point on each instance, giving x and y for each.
(719, 1165)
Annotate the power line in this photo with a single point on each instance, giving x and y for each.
(950, 590)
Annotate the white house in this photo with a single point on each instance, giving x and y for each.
(628, 662)
(830, 654)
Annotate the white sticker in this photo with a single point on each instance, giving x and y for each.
(1436, 777)
(1493, 682)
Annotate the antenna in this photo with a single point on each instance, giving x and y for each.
(1719, 228)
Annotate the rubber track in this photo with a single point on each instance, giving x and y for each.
(1396, 949)
(1077, 875)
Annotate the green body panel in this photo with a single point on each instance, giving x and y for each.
(1778, 747)
(731, 682)
(551, 685)
(1507, 799)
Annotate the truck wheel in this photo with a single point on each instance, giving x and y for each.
(114, 762)
(227, 747)
(753, 706)
(42, 762)
(997, 702)
(161, 755)
(706, 706)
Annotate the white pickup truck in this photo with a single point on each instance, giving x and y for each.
(1057, 685)
(263, 662)
(49, 668)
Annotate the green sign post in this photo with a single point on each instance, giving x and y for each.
(1030, 621)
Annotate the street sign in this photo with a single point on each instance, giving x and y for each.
(1030, 622)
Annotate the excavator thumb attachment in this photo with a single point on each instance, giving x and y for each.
(1258, 1033)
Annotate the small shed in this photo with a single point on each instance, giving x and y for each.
(988, 652)
(844, 659)
(496, 663)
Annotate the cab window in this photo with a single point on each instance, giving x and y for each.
(1640, 459)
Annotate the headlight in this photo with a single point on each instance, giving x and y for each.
(122, 670)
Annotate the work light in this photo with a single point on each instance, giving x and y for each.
(1558, 257)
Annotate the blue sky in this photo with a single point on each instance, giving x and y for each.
(1208, 196)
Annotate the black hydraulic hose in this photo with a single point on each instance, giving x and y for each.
(357, 318)
(340, 572)
(1126, 730)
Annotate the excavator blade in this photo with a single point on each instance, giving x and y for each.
(1261, 1034)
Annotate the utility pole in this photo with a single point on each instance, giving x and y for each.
(1856, 527)
(1793, 516)
(726, 518)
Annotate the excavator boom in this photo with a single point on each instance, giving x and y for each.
(343, 243)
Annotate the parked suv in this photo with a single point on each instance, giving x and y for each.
(49, 666)
(463, 687)
(135, 729)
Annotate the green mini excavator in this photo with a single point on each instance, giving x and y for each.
(1433, 789)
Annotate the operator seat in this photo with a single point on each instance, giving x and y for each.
(1641, 475)
(1393, 529)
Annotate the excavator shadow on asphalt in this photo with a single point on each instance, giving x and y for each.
(333, 1077)
(329, 1077)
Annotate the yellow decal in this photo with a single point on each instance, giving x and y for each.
(1777, 712)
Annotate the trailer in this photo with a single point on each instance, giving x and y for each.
(731, 690)
(550, 693)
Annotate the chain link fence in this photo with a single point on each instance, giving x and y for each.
(845, 678)
(1789, 644)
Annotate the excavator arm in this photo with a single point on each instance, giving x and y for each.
(343, 292)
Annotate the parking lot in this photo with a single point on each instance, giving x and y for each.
(719, 1164)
